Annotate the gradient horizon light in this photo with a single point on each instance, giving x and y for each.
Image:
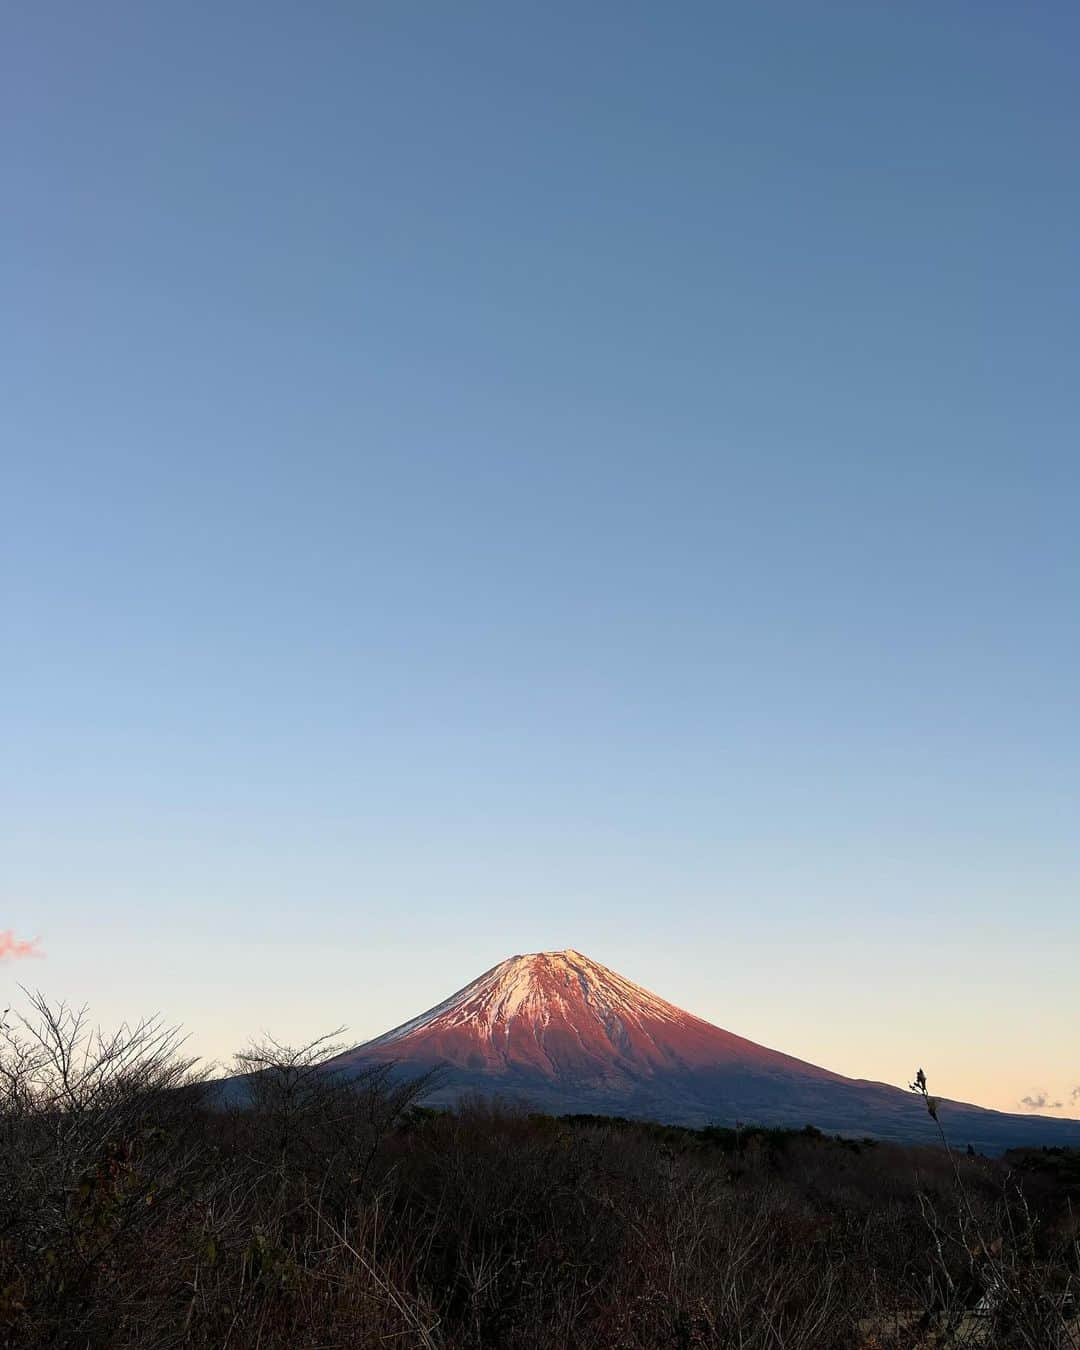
(487, 479)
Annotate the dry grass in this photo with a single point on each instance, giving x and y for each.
(325, 1214)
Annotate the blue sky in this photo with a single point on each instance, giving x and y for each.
(485, 478)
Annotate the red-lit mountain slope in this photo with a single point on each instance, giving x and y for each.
(561, 1016)
(566, 1034)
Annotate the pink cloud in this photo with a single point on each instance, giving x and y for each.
(17, 949)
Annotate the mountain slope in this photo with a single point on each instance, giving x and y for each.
(565, 1034)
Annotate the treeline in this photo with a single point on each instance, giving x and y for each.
(136, 1210)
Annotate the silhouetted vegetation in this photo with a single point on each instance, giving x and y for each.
(138, 1211)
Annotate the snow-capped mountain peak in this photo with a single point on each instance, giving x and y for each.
(562, 1032)
(536, 989)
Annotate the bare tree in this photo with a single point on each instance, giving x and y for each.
(324, 1118)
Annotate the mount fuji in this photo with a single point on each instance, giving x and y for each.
(564, 1034)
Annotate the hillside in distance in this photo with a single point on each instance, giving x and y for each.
(563, 1033)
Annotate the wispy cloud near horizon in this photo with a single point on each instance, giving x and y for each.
(18, 949)
(1039, 1101)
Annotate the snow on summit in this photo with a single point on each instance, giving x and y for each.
(536, 987)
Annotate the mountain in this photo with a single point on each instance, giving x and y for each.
(565, 1034)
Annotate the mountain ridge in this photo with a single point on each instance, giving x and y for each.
(565, 1033)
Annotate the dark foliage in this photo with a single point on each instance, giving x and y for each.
(326, 1213)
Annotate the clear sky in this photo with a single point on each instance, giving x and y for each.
(489, 477)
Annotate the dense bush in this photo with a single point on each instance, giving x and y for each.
(137, 1211)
